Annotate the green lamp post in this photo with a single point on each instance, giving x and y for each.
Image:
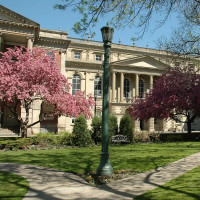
(104, 168)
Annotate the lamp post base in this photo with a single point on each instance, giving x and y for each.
(104, 168)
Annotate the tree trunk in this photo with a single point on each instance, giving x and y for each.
(189, 127)
(23, 130)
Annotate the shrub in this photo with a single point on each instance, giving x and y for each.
(96, 131)
(52, 139)
(113, 126)
(45, 139)
(126, 127)
(81, 135)
(21, 143)
(65, 138)
(142, 136)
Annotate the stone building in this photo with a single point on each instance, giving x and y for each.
(133, 71)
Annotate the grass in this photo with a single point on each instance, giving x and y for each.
(12, 186)
(138, 157)
(185, 187)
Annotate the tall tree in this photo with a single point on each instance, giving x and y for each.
(139, 14)
(27, 76)
(175, 95)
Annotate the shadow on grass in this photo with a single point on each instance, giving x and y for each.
(167, 188)
(12, 186)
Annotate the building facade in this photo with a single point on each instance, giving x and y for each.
(133, 71)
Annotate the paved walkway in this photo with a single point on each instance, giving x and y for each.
(51, 184)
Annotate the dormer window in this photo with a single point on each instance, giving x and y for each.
(77, 55)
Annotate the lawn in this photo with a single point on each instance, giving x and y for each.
(12, 186)
(185, 187)
(137, 157)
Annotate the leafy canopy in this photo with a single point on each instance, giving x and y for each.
(139, 14)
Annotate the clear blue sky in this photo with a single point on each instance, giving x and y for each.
(42, 12)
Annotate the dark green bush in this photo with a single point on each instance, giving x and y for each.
(113, 126)
(96, 131)
(81, 135)
(21, 143)
(126, 127)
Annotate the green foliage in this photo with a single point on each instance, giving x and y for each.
(81, 135)
(96, 131)
(139, 14)
(42, 140)
(46, 139)
(126, 127)
(113, 126)
(20, 143)
(12, 186)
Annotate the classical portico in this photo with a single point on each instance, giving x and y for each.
(129, 81)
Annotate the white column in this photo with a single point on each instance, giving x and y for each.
(86, 85)
(36, 106)
(137, 125)
(122, 87)
(113, 86)
(30, 43)
(62, 62)
(151, 120)
(62, 124)
(136, 85)
(151, 82)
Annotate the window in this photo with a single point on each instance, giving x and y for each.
(126, 88)
(51, 54)
(141, 89)
(97, 86)
(77, 55)
(98, 57)
(76, 83)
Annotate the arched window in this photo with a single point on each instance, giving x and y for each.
(141, 88)
(76, 83)
(97, 86)
(126, 88)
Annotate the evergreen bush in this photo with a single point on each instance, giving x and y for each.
(96, 131)
(113, 126)
(126, 127)
(81, 135)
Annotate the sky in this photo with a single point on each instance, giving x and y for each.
(42, 12)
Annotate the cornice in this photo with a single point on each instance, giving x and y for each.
(17, 16)
(54, 40)
(19, 24)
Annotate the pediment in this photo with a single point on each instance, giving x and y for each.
(7, 15)
(142, 62)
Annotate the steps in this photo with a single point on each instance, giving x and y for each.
(5, 132)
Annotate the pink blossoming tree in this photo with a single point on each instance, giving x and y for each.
(175, 95)
(27, 76)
